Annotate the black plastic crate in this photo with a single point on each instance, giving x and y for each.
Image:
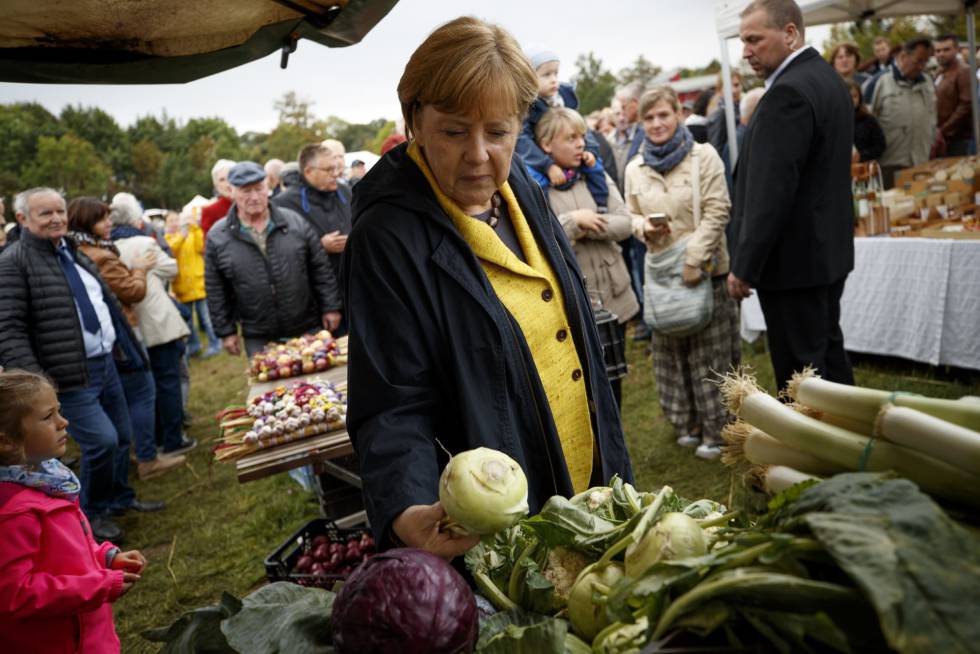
(279, 564)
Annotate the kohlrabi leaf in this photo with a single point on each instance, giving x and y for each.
(521, 632)
(282, 618)
(197, 631)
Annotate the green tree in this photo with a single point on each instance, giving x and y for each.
(223, 141)
(295, 110)
(69, 163)
(163, 132)
(863, 34)
(594, 84)
(384, 132)
(640, 70)
(713, 68)
(21, 125)
(147, 161)
(357, 136)
(103, 132)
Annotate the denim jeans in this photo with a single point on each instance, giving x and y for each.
(200, 307)
(98, 420)
(141, 394)
(165, 360)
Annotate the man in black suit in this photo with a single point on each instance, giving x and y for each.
(793, 214)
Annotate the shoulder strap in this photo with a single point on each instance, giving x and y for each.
(696, 186)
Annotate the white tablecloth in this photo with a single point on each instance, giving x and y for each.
(915, 298)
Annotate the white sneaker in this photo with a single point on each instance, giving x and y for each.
(689, 440)
(708, 451)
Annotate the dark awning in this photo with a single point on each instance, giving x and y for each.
(165, 41)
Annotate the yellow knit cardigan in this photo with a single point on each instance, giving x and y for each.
(531, 293)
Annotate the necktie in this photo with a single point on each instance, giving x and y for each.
(89, 318)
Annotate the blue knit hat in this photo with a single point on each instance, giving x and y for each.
(541, 56)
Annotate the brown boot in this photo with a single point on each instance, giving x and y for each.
(160, 466)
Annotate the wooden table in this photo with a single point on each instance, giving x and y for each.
(335, 483)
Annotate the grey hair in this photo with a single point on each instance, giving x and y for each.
(631, 91)
(749, 101)
(125, 210)
(219, 165)
(273, 166)
(23, 199)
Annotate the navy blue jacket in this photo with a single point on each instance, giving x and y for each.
(435, 356)
(528, 148)
(326, 211)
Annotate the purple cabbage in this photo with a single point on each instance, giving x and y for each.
(406, 601)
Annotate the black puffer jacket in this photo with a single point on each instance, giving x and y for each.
(39, 326)
(279, 295)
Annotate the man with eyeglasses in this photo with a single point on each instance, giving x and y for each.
(266, 270)
(904, 101)
(319, 198)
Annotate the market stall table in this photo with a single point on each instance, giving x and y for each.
(336, 483)
(914, 298)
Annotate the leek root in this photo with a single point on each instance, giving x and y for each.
(747, 443)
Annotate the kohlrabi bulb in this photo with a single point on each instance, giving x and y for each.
(483, 491)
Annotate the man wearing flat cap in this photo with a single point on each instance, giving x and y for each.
(265, 270)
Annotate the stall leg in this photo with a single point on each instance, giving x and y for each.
(338, 491)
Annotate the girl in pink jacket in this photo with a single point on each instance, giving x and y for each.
(56, 582)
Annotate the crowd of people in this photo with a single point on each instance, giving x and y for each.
(467, 266)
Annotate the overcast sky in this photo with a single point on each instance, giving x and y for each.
(358, 83)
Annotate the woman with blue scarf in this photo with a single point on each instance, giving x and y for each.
(684, 181)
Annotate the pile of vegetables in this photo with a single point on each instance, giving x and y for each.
(404, 600)
(829, 428)
(286, 413)
(859, 563)
(323, 558)
(302, 355)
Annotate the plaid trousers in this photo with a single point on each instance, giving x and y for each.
(684, 365)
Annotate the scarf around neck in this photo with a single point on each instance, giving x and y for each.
(664, 158)
(51, 477)
(89, 239)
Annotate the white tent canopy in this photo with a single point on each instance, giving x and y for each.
(822, 12)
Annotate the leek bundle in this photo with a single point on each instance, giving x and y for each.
(863, 404)
(747, 401)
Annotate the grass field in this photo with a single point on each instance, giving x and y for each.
(216, 532)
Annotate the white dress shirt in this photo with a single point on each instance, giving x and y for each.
(786, 62)
(101, 342)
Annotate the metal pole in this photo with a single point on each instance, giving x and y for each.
(726, 68)
(971, 35)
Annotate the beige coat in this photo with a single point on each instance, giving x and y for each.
(647, 191)
(159, 320)
(599, 257)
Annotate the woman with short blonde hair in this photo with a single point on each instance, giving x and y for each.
(593, 228)
(470, 325)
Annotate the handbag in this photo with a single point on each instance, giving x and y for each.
(670, 307)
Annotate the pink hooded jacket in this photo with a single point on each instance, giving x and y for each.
(55, 587)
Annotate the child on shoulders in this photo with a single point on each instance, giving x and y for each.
(56, 583)
(540, 166)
